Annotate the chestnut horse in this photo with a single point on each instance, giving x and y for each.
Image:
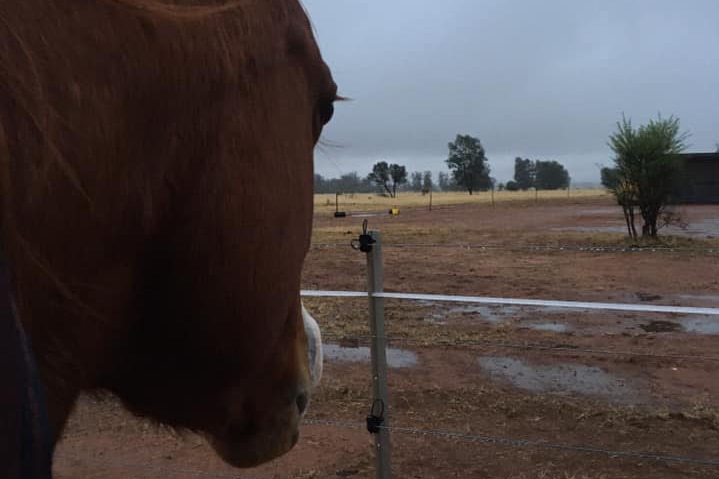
(156, 174)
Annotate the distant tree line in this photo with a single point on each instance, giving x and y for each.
(468, 171)
(347, 183)
(538, 174)
(419, 182)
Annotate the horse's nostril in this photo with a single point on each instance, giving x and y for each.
(302, 401)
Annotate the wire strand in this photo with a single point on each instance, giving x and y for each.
(537, 247)
(154, 467)
(524, 443)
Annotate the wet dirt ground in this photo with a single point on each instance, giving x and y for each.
(621, 381)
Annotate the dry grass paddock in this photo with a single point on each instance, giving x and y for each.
(364, 202)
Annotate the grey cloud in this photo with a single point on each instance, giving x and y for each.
(536, 79)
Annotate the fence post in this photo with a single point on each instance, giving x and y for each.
(379, 355)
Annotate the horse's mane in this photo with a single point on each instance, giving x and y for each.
(185, 10)
(32, 125)
(23, 84)
(189, 9)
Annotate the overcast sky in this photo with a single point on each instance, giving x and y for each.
(539, 79)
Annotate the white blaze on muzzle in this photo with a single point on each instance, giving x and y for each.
(314, 346)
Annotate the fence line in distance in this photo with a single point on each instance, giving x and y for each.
(538, 247)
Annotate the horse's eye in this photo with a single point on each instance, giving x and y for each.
(326, 109)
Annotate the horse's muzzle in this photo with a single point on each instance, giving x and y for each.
(314, 346)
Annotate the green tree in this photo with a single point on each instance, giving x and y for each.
(380, 176)
(648, 166)
(443, 181)
(609, 177)
(427, 182)
(389, 177)
(347, 183)
(511, 186)
(524, 173)
(398, 174)
(469, 165)
(415, 182)
(319, 183)
(550, 175)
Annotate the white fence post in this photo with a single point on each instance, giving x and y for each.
(379, 357)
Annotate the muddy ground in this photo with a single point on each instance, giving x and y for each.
(621, 381)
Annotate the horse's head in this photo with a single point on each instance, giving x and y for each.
(223, 345)
(163, 263)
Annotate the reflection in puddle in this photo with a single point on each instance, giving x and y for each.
(600, 211)
(701, 324)
(553, 327)
(396, 358)
(575, 378)
(592, 229)
(708, 227)
(701, 297)
(366, 215)
(498, 314)
(485, 313)
(435, 317)
(531, 317)
(661, 327)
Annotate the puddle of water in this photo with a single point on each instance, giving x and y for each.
(554, 327)
(436, 318)
(661, 327)
(592, 229)
(708, 228)
(426, 302)
(532, 312)
(366, 215)
(701, 324)
(600, 211)
(496, 314)
(485, 313)
(396, 358)
(521, 312)
(701, 297)
(647, 296)
(564, 378)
